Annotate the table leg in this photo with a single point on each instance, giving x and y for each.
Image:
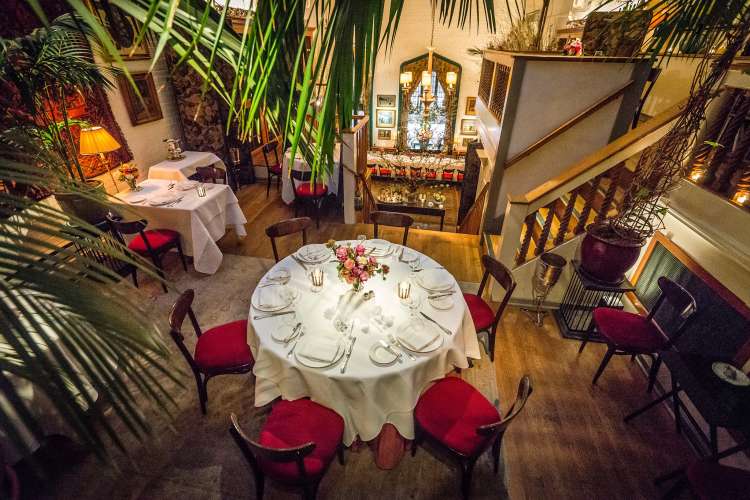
(714, 441)
(389, 447)
(653, 403)
(442, 219)
(676, 405)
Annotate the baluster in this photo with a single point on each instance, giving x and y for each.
(584, 217)
(542, 242)
(565, 222)
(521, 257)
(614, 182)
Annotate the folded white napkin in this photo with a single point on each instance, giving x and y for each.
(313, 252)
(272, 297)
(416, 337)
(163, 199)
(186, 185)
(323, 348)
(436, 279)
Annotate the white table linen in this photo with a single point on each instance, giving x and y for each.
(180, 170)
(200, 221)
(287, 190)
(438, 162)
(366, 396)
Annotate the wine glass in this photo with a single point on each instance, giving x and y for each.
(422, 198)
(413, 302)
(414, 265)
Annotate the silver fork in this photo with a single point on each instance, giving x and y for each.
(301, 334)
(395, 343)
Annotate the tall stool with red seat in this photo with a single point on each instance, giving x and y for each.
(630, 334)
(221, 350)
(307, 191)
(153, 243)
(481, 313)
(459, 419)
(297, 444)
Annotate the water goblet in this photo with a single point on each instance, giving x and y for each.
(316, 278)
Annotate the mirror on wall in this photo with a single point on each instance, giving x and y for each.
(427, 108)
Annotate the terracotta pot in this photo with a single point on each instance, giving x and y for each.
(605, 255)
(82, 207)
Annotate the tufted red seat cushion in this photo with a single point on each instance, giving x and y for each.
(628, 331)
(223, 346)
(294, 423)
(451, 410)
(276, 169)
(305, 190)
(712, 481)
(431, 174)
(459, 176)
(157, 238)
(448, 176)
(385, 171)
(481, 312)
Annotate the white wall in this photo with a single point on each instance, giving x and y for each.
(411, 41)
(145, 141)
(672, 86)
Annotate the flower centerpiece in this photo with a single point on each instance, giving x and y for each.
(129, 174)
(354, 267)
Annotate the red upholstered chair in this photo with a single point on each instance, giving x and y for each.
(307, 193)
(211, 174)
(431, 174)
(296, 445)
(416, 172)
(385, 172)
(458, 418)
(152, 243)
(287, 227)
(630, 334)
(393, 219)
(460, 176)
(272, 163)
(400, 171)
(481, 313)
(447, 174)
(221, 350)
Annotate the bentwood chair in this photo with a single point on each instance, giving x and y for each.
(220, 350)
(393, 219)
(460, 420)
(96, 253)
(296, 446)
(481, 313)
(272, 162)
(211, 174)
(153, 243)
(287, 227)
(631, 334)
(308, 193)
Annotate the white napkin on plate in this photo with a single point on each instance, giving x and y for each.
(416, 337)
(436, 279)
(323, 348)
(313, 252)
(186, 185)
(272, 297)
(163, 199)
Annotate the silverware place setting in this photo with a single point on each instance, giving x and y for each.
(351, 348)
(388, 347)
(444, 329)
(294, 333)
(395, 343)
(296, 341)
(298, 261)
(441, 295)
(273, 314)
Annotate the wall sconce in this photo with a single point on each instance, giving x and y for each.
(405, 79)
(696, 175)
(741, 197)
(451, 78)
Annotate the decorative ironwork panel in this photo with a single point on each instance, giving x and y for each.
(499, 90)
(485, 81)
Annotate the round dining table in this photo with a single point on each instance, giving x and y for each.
(369, 397)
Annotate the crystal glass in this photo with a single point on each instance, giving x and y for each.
(361, 238)
(414, 265)
(316, 278)
(413, 303)
(404, 290)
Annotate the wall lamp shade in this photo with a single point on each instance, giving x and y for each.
(426, 79)
(97, 140)
(451, 78)
(405, 78)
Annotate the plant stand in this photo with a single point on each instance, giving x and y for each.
(582, 296)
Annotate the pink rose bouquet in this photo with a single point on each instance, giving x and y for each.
(354, 267)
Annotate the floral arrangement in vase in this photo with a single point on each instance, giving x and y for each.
(129, 173)
(354, 267)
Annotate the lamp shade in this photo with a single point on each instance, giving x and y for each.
(406, 78)
(451, 78)
(96, 140)
(426, 79)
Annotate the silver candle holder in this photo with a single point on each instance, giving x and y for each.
(404, 290)
(201, 190)
(549, 267)
(316, 278)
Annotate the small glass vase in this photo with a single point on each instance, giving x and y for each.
(132, 183)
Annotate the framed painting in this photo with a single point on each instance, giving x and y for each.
(471, 106)
(384, 134)
(468, 126)
(386, 101)
(143, 109)
(385, 118)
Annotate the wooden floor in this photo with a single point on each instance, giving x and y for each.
(570, 441)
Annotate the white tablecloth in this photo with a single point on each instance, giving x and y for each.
(200, 221)
(179, 170)
(287, 191)
(438, 162)
(366, 396)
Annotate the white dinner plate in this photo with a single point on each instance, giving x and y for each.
(434, 344)
(442, 303)
(313, 254)
(279, 275)
(186, 185)
(288, 296)
(379, 248)
(135, 199)
(313, 363)
(164, 199)
(285, 333)
(419, 278)
(730, 374)
(381, 356)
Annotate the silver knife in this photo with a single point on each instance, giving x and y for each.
(271, 315)
(296, 259)
(447, 332)
(390, 349)
(441, 295)
(348, 354)
(293, 335)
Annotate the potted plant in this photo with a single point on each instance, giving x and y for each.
(39, 73)
(612, 247)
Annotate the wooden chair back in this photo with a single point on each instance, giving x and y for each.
(211, 173)
(181, 308)
(96, 253)
(271, 149)
(287, 227)
(525, 389)
(682, 302)
(393, 219)
(504, 277)
(119, 227)
(253, 450)
(416, 171)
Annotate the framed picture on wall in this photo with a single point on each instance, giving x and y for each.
(385, 118)
(384, 134)
(471, 106)
(468, 126)
(386, 101)
(146, 108)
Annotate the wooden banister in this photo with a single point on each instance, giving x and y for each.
(472, 221)
(619, 150)
(569, 124)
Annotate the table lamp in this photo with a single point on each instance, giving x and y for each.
(97, 141)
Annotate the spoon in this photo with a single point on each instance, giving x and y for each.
(394, 342)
